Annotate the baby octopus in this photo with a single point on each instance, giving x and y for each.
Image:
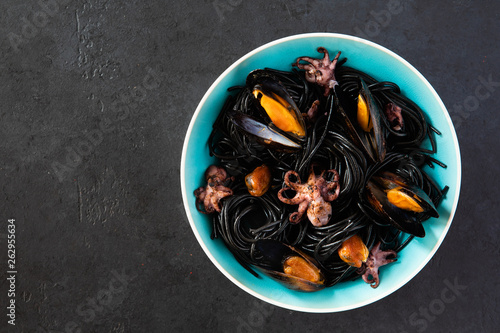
(320, 71)
(215, 190)
(376, 259)
(314, 196)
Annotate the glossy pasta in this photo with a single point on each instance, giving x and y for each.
(329, 144)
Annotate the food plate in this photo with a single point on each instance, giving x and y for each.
(378, 62)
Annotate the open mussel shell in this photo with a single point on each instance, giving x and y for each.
(264, 134)
(363, 121)
(402, 204)
(272, 98)
(293, 268)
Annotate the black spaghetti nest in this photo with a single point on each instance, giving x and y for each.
(244, 219)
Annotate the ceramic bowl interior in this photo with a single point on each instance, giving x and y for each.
(379, 63)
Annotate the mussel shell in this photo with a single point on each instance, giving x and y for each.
(407, 221)
(395, 216)
(373, 142)
(293, 282)
(261, 75)
(390, 180)
(271, 256)
(270, 85)
(262, 133)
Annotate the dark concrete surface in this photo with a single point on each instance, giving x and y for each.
(96, 98)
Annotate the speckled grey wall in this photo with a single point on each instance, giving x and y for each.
(95, 101)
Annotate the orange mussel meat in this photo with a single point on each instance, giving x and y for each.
(258, 181)
(353, 251)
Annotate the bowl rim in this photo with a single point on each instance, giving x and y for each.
(432, 251)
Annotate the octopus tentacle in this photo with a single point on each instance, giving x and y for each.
(331, 190)
(298, 215)
(376, 259)
(334, 62)
(295, 217)
(200, 195)
(326, 58)
(297, 199)
(312, 63)
(289, 183)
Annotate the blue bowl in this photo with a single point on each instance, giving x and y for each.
(379, 63)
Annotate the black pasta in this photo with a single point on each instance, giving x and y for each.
(333, 141)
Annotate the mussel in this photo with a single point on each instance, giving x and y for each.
(258, 181)
(399, 202)
(364, 123)
(353, 251)
(272, 99)
(293, 268)
(262, 133)
(280, 125)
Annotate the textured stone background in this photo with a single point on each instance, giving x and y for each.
(96, 97)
